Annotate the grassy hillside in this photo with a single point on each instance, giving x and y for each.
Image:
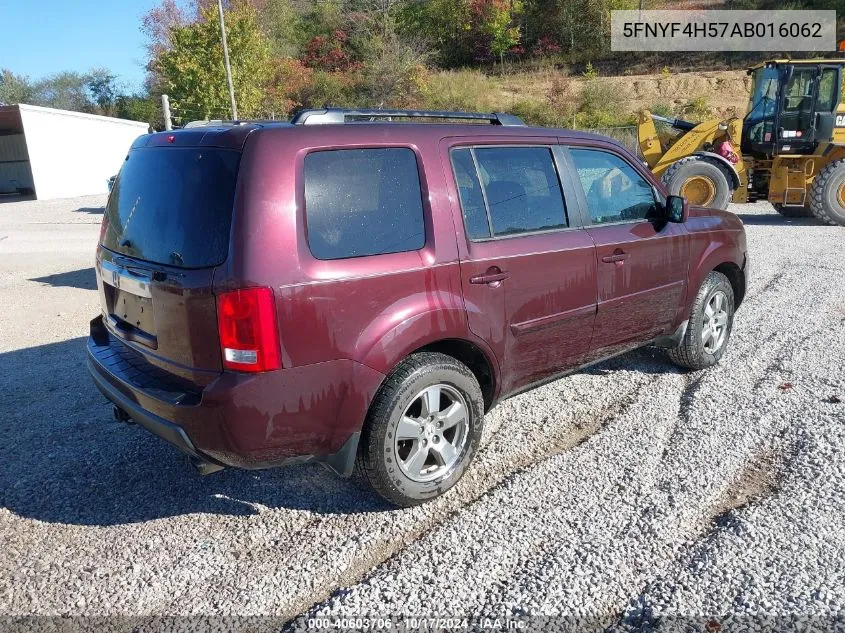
(551, 97)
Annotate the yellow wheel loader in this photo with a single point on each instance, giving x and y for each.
(789, 148)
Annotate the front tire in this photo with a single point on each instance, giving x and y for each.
(827, 194)
(422, 431)
(709, 327)
(702, 181)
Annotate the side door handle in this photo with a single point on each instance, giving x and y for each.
(616, 258)
(493, 277)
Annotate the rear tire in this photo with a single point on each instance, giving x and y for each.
(793, 212)
(422, 431)
(827, 194)
(709, 327)
(704, 182)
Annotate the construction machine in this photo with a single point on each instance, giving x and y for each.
(789, 148)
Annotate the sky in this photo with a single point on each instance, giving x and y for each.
(42, 37)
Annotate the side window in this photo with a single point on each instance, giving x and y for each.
(519, 190)
(522, 187)
(615, 192)
(363, 202)
(798, 93)
(827, 90)
(472, 199)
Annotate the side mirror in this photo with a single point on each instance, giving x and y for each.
(676, 209)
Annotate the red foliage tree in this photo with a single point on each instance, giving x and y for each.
(330, 52)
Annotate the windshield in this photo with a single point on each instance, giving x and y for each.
(172, 205)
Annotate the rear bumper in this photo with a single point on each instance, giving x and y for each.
(156, 425)
(295, 415)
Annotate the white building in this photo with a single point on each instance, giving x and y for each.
(58, 154)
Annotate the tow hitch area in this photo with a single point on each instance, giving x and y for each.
(121, 416)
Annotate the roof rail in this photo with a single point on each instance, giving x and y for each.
(219, 123)
(340, 115)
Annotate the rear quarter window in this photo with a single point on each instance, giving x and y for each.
(361, 202)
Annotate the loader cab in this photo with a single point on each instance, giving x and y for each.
(792, 107)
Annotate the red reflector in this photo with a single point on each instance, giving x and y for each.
(249, 336)
(171, 138)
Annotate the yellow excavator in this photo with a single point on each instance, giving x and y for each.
(789, 148)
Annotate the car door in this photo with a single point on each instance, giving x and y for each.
(527, 266)
(642, 262)
(796, 126)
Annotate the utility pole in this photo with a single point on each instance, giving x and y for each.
(226, 60)
(165, 108)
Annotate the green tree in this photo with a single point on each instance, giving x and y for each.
(445, 25)
(67, 90)
(393, 65)
(15, 88)
(497, 24)
(102, 85)
(192, 70)
(581, 27)
(140, 107)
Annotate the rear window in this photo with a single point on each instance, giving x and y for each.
(363, 202)
(173, 205)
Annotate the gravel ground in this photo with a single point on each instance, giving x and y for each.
(632, 496)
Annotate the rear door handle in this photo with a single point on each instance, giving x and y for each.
(490, 277)
(616, 257)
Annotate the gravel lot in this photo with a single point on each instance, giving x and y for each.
(629, 497)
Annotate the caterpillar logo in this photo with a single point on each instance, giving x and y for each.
(840, 120)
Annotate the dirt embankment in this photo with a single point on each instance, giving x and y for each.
(725, 92)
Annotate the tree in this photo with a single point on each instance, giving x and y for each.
(494, 21)
(95, 91)
(330, 52)
(140, 108)
(192, 70)
(446, 25)
(283, 27)
(581, 27)
(158, 24)
(15, 88)
(289, 78)
(66, 90)
(104, 90)
(393, 66)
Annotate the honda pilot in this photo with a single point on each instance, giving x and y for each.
(358, 288)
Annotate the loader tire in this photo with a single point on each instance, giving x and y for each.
(827, 194)
(702, 181)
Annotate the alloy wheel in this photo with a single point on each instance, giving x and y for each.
(715, 327)
(432, 432)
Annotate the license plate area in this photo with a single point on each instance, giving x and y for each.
(129, 305)
(133, 310)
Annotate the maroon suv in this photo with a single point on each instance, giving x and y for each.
(359, 293)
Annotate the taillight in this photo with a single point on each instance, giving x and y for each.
(249, 337)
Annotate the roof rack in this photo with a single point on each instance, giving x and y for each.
(216, 123)
(340, 115)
